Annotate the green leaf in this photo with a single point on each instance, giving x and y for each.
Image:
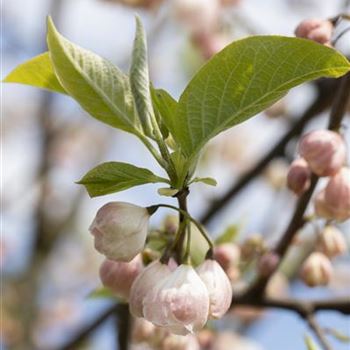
(245, 78)
(165, 106)
(168, 192)
(103, 293)
(229, 235)
(114, 177)
(139, 79)
(310, 344)
(207, 180)
(36, 72)
(96, 84)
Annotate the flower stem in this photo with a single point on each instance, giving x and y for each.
(189, 217)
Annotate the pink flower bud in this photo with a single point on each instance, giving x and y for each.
(316, 30)
(144, 282)
(268, 263)
(179, 302)
(299, 175)
(197, 15)
(119, 276)
(227, 255)
(120, 230)
(317, 270)
(177, 342)
(321, 208)
(209, 43)
(332, 242)
(205, 339)
(143, 331)
(324, 150)
(218, 285)
(337, 195)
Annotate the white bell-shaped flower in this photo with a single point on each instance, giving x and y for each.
(145, 281)
(179, 303)
(218, 286)
(120, 230)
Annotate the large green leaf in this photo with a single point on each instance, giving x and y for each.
(244, 79)
(99, 87)
(139, 79)
(113, 177)
(36, 72)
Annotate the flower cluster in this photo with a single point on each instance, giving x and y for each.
(178, 298)
(317, 269)
(323, 152)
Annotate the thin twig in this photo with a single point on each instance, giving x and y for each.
(324, 99)
(297, 221)
(85, 332)
(318, 331)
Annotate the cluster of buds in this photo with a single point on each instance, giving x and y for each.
(317, 269)
(182, 300)
(317, 30)
(323, 152)
(177, 298)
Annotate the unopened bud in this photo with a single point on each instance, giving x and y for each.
(177, 342)
(268, 264)
(337, 195)
(299, 176)
(253, 246)
(119, 276)
(143, 330)
(315, 29)
(218, 286)
(227, 255)
(317, 270)
(120, 230)
(209, 43)
(205, 338)
(332, 242)
(179, 302)
(197, 15)
(324, 150)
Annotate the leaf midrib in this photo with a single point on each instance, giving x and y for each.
(96, 89)
(223, 127)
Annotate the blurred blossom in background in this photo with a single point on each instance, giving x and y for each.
(48, 263)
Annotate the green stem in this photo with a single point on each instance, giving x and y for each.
(187, 256)
(188, 216)
(153, 151)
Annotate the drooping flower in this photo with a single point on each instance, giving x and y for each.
(179, 302)
(218, 285)
(145, 281)
(119, 276)
(324, 150)
(120, 230)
